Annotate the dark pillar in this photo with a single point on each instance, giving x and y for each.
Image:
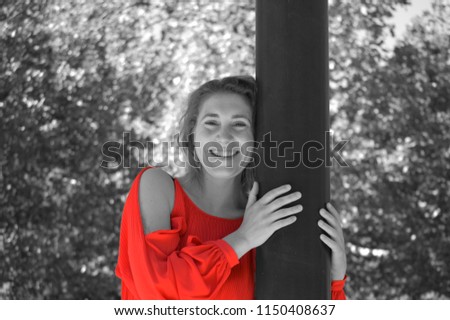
(292, 77)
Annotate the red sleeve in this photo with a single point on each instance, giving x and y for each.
(156, 266)
(337, 289)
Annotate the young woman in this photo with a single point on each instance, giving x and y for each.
(194, 237)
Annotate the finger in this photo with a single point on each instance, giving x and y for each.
(337, 217)
(252, 195)
(328, 229)
(329, 242)
(331, 219)
(283, 223)
(335, 233)
(274, 193)
(278, 203)
(333, 210)
(283, 213)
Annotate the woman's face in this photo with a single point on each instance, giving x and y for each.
(223, 134)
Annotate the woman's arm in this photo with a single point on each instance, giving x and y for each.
(155, 265)
(156, 199)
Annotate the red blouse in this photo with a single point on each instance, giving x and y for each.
(189, 261)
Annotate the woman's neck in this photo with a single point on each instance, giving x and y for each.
(218, 195)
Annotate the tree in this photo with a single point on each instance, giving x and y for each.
(397, 186)
(74, 75)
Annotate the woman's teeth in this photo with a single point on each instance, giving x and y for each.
(222, 155)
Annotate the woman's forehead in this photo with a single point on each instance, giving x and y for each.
(225, 104)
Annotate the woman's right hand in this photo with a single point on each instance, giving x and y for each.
(262, 218)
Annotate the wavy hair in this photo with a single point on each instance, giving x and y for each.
(242, 85)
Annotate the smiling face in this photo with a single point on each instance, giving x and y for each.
(223, 129)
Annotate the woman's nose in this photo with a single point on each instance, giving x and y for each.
(224, 134)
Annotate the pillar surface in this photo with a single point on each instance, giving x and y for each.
(292, 77)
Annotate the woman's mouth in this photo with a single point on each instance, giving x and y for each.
(223, 155)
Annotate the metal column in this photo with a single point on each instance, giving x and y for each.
(292, 77)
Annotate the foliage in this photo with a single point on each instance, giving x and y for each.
(395, 111)
(77, 74)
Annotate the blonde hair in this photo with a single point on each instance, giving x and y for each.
(241, 85)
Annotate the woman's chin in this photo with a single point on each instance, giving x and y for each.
(224, 167)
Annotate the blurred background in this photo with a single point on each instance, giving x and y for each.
(77, 74)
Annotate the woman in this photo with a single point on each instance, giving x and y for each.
(194, 237)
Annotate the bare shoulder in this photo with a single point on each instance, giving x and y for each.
(156, 199)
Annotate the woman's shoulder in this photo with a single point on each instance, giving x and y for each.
(156, 173)
(155, 180)
(156, 194)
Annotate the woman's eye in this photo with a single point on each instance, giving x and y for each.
(237, 124)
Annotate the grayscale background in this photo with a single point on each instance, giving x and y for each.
(75, 75)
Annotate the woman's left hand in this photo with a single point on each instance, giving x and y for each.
(331, 224)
